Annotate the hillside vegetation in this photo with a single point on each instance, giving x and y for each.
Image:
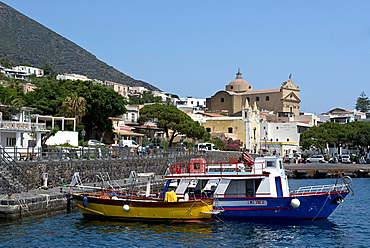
(23, 40)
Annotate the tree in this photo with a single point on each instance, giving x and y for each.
(146, 97)
(47, 69)
(171, 118)
(363, 103)
(11, 101)
(313, 138)
(360, 135)
(6, 63)
(101, 102)
(74, 106)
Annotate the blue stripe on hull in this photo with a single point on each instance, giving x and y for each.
(311, 207)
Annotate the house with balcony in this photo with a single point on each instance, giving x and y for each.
(23, 132)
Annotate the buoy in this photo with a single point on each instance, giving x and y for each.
(126, 208)
(84, 201)
(295, 203)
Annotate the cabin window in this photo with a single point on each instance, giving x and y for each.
(281, 164)
(287, 139)
(243, 188)
(270, 164)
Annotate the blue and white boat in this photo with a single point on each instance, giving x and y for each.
(258, 189)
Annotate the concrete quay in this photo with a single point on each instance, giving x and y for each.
(35, 204)
(326, 170)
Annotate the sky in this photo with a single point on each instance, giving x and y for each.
(195, 48)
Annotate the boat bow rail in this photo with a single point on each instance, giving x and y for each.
(344, 186)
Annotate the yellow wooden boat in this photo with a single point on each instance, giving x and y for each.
(144, 208)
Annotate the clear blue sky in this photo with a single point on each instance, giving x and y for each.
(194, 48)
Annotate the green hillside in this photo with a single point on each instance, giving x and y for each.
(23, 40)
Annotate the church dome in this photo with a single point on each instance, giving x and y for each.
(238, 84)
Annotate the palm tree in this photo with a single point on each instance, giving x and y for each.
(74, 107)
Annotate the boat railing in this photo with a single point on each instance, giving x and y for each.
(215, 167)
(319, 189)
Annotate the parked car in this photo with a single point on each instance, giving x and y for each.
(154, 145)
(128, 143)
(316, 158)
(205, 147)
(95, 143)
(345, 159)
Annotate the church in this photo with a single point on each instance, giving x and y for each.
(283, 101)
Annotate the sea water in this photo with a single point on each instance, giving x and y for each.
(349, 225)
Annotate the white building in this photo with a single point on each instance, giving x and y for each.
(342, 116)
(281, 138)
(137, 90)
(29, 70)
(121, 89)
(72, 77)
(190, 102)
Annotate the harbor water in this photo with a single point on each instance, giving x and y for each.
(349, 225)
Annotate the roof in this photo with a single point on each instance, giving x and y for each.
(212, 115)
(252, 92)
(128, 133)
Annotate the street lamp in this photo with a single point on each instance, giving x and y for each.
(83, 133)
(33, 130)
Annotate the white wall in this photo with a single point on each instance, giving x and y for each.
(62, 137)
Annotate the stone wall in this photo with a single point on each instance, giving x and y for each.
(61, 172)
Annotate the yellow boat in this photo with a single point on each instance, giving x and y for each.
(144, 208)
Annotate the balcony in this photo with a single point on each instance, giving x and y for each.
(20, 126)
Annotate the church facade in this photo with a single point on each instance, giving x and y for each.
(283, 101)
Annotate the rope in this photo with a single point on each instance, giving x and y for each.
(322, 206)
(24, 205)
(215, 215)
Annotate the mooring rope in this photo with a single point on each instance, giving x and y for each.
(322, 206)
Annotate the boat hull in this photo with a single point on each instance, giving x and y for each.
(144, 209)
(314, 206)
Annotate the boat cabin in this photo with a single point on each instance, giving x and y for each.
(265, 178)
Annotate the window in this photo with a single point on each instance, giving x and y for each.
(267, 98)
(232, 87)
(270, 163)
(230, 130)
(277, 127)
(191, 102)
(248, 99)
(287, 139)
(250, 87)
(132, 117)
(222, 99)
(281, 164)
(10, 141)
(277, 139)
(208, 129)
(291, 109)
(257, 98)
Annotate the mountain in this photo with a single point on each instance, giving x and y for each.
(23, 40)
